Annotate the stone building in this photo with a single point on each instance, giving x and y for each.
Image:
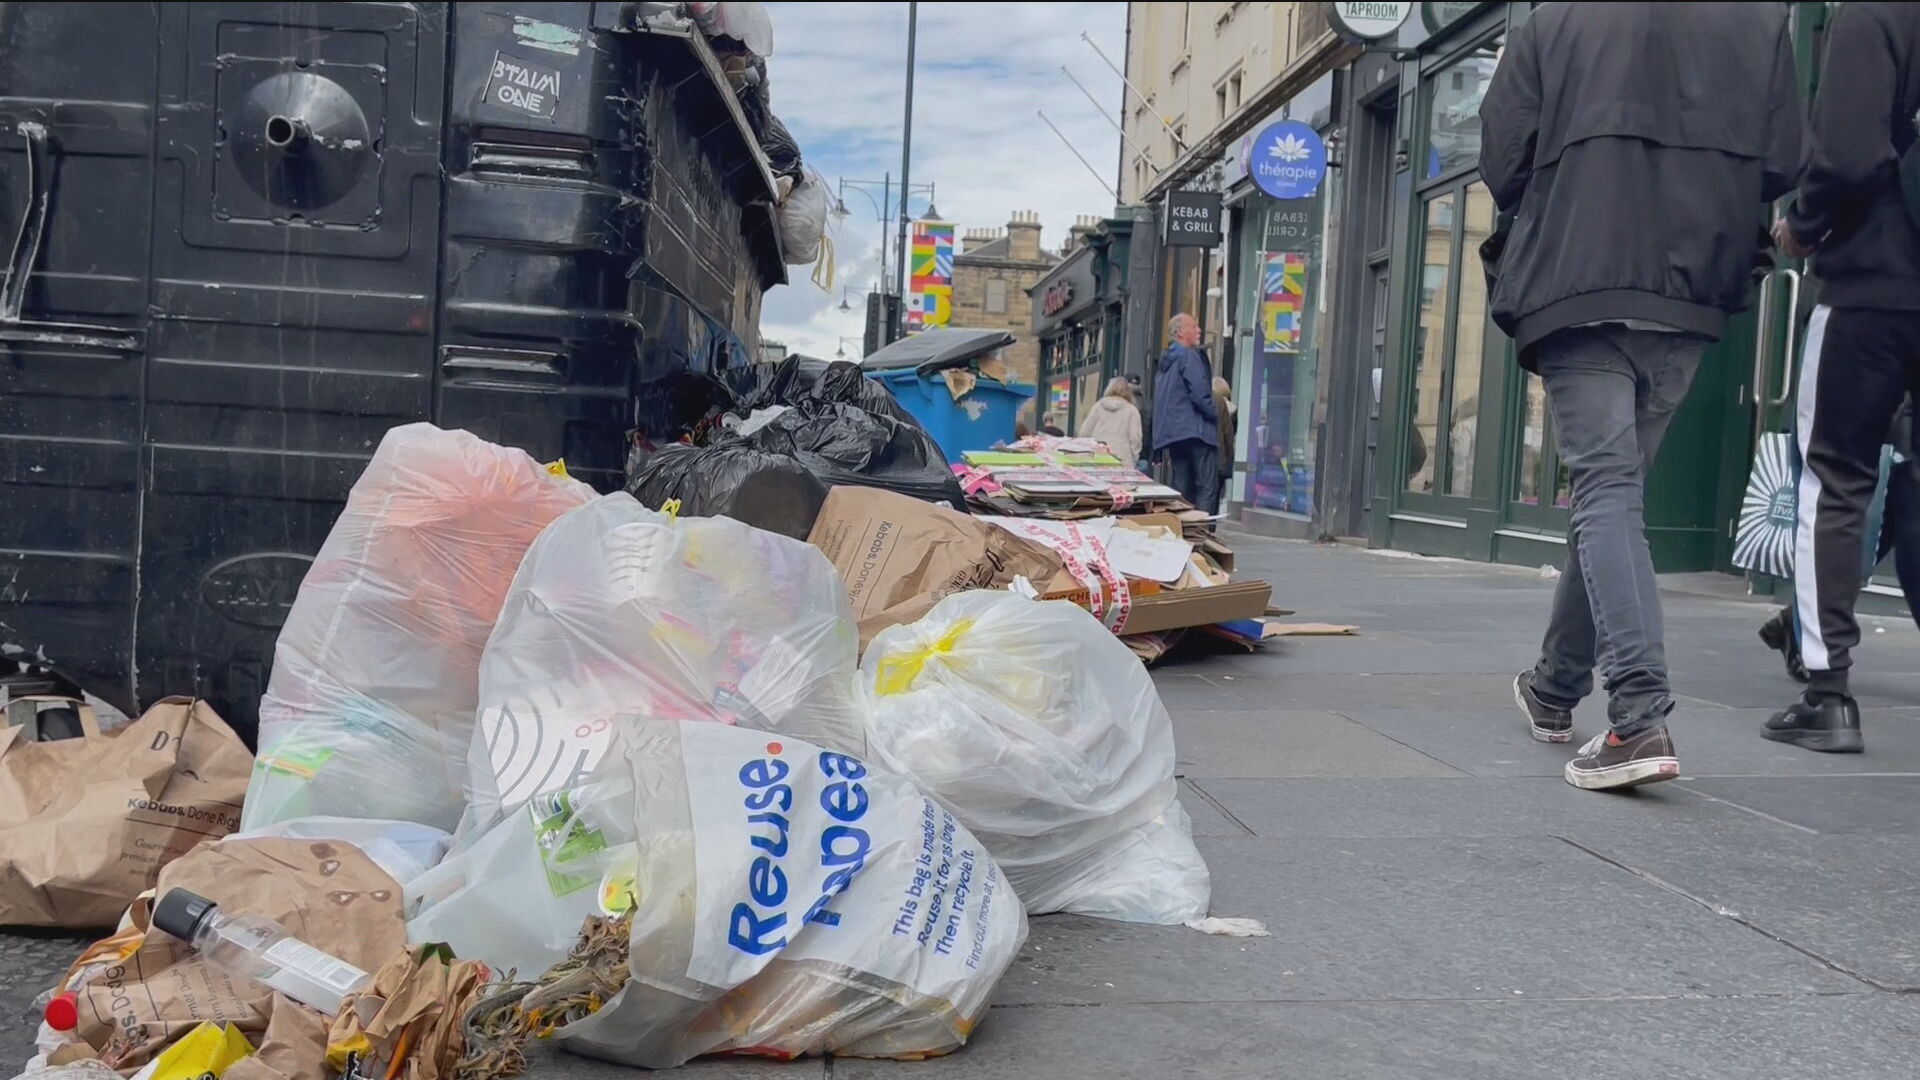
(991, 275)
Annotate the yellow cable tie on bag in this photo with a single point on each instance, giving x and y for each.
(897, 673)
(671, 508)
(559, 468)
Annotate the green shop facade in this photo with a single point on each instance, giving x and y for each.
(1446, 438)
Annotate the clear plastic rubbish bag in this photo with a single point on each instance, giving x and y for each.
(791, 900)
(1046, 736)
(514, 897)
(369, 711)
(619, 612)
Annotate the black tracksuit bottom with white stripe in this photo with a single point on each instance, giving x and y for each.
(1859, 364)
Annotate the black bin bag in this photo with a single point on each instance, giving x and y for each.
(769, 491)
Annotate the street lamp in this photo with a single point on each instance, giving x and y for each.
(883, 210)
(841, 352)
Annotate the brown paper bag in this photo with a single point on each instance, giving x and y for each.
(899, 556)
(87, 824)
(327, 894)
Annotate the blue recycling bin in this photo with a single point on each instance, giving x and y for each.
(982, 417)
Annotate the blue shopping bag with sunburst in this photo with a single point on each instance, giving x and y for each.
(1763, 537)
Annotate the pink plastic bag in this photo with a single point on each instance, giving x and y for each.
(370, 708)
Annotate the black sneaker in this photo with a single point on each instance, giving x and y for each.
(1646, 758)
(1777, 634)
(1548, 723)
(1831, 726)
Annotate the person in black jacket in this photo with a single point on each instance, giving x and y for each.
(1899, 534)
(1636, 146)
(1863, 343)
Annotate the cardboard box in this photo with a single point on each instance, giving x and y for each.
(1174, 609)
(899, 556)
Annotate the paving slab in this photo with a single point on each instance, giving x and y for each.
(1414, 919)
(1874, 805)
(1848, 899)
(1275, 743)
(30, 962)
(1524, 806)
(1712, 741)
(1806, 1038)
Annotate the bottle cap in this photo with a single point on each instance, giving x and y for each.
(181, 912)
(63, 1012)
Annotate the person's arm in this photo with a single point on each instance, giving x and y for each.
(1853, 144)
(1510, 121)
(1786, 155)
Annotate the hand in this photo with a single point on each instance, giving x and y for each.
(1784, 239)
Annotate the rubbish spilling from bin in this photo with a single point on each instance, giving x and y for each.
(545, 764)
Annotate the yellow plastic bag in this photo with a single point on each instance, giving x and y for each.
(206, 1051)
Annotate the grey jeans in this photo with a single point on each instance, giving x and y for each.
(1612, 391)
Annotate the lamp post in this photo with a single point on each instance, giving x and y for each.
(840, 353)
(883, 212)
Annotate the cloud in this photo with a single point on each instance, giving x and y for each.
(837, 77)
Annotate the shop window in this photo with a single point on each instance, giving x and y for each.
(1430, 341)
(996, 296)
(1453, 111)
(1469, 341)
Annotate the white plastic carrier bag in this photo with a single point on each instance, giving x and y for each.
(790, 900)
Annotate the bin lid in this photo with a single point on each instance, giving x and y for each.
(937, 349)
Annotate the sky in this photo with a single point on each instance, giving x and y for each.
(837, 77)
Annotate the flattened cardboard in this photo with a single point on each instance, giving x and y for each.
(898, 556)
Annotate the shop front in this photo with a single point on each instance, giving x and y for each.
(1465, 463)
(1278, 188)
(1078, 318)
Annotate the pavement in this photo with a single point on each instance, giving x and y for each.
(1442, 904)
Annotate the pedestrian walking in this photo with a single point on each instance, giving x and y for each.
(1229, 426)
(1863, 342)
(1637, 145)
(1185, 425)
(1899, 535)
(1115, 421)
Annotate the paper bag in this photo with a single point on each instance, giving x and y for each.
(899, 556)
(327, 894)
(416, 1009)
(86, 824)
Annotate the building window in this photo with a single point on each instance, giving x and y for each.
(1233, 91)
(1220, 103)
(996, 296)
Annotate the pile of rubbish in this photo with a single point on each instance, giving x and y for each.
(786, 447)
(538, 763)
(1136, 552)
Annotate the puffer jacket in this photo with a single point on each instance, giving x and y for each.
(1116, 422)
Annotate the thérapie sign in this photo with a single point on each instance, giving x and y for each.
(1193, 219)
(1288, 160)
(1369, 20)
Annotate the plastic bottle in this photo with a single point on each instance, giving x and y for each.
(260, 949)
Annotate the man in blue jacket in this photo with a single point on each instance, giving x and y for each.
(1186, 428)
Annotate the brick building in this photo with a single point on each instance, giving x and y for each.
(991, 275)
